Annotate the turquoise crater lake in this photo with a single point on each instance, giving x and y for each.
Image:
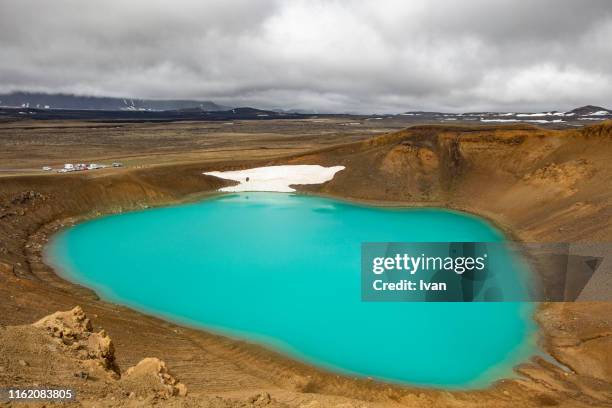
(283, 270)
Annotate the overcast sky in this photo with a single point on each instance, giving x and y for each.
(341, 56)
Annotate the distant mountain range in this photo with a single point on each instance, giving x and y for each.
(572, 117)
(63, 106)
(75, 102)
(136, 111)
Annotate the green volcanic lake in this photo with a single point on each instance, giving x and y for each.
(283, 270)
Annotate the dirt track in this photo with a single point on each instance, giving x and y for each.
(539, 185)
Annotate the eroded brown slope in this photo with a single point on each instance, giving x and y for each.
(545, 185)
(539, 185)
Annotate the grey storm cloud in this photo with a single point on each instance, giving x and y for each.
(357, 56)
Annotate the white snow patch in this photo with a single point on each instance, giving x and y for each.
(531, 114)
(523, 120)
(544, 121)
(541, 114)
(276, 178)
(599, 113)
(498, 120)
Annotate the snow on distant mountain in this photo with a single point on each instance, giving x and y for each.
(77, 102)
(591, 110)
(569, 118)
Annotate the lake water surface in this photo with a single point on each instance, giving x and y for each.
(284, 270)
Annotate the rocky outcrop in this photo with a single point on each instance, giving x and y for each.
(76, 348)
(152, 375)
(74, 329)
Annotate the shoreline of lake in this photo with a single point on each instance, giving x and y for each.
(107, 292)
